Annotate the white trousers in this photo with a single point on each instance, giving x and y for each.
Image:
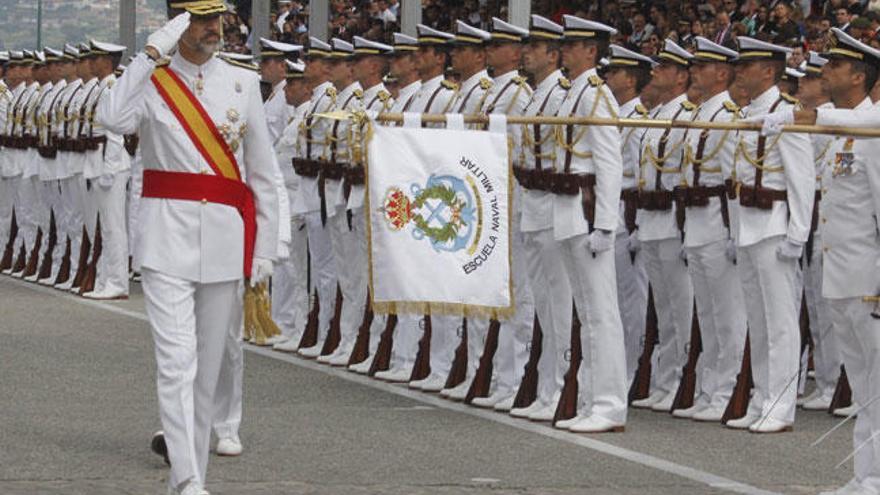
(553, 303)
(446, 333)
(135, 190)
(229, 395)
(405, 346)
(112, 274)
(826, 356)
(89, 207)
(27, 211)
(349, 268)
(72, 189)
(359, 257)
(290, 292)
(7, 202)
(723, 326)
(190, 324)
(674, 302)
(52, 198)
(323, 270)
(632, 299)
(859, 340)
(772, 304)
(602, 383)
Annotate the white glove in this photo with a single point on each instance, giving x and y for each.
(601, 240)
(772, 123)
(105, 181)
(730, 251)
(633, 243)
(165, 39)
(789, 250)
(261, 270)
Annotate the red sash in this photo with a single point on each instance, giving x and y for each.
(226, 187)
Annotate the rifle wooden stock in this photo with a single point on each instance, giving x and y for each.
(687, 388)
(483, 378)
(45, 270)
(738, 405)
(458, 371)
(361, 350)
(82, 265)
(20, 260)
(568, 399)
(641, 384)
(422, 365)
(88, 282)
(804, 325)
(9, 250)
(528, 386)
(842, 393)
(64, 270)
(309, 337)
(33, 260)
(334, 335)
(382, 360)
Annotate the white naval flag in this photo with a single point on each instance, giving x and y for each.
(438, 223)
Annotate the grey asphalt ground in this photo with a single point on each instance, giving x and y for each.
(78, 407)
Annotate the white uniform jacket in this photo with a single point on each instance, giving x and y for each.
(313, 142)
(197, 241)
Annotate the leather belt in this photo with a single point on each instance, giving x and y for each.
(655, 200)
(760, 197)
(307, 168)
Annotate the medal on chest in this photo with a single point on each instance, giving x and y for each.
(844, 161)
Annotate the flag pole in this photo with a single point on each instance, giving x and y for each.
(622, 122)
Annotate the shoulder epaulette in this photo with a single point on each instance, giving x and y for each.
(240, 64)
(641, 109)
(519, 80)
(383, 95)
(162, 62)
(446, 83)
(731, 106)
(331, 92)
(595, 81)
(485, 83)
(564, 83)
(110, 83)
(690, 107)
(359, 94)
(787, 97)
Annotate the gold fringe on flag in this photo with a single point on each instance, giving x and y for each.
(258, 324)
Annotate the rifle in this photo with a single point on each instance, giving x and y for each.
(483, 377)
(34, 258)
(310, 333)
(334, 335)
(88, 281)
(45, 270)
(641, 384)
(82, 266)
(64, 270)
(20, 260)
(739, 401)
(528, 387)
(458, 371)
(422, 365)
(684, 396)
(361, 350)
(842, 393)
(568, 399)
(382, 360)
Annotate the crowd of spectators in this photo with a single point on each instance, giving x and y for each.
(642, 25)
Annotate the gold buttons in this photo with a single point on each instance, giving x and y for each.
(204, 201)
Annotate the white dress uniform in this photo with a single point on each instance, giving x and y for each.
(5, 192)
(26, 163)
(278, 112)
(114, 170)
(191, 252)
(435, 96)
(290, 294)
(341, 234)
(375, 99)
(593, 155)
(851, 250)
(769, 280)
(720, 301)
(8, 170)
(826, 356)
(509, 96)
(543, 256)
(662, 248)
(50, 191)
(470, 99)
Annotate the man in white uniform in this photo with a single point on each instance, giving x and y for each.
(776, 200)
(191, 250)
(273, 70)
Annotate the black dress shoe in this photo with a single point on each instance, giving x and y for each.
(157, 445)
